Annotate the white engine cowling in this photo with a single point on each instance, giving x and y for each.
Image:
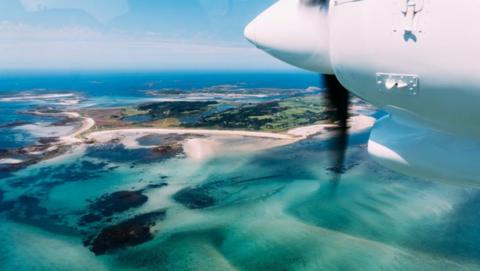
(295, 33)
(412, 58)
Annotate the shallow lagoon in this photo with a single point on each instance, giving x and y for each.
(272, 209)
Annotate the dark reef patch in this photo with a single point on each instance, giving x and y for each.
(108, 205)
(156, 185)
(85, 170)
(118, 202)
(30, 207)
(223, 191)
(168, 150)
(88, 165)
(153, 139)
(131, 232)
(27, 209)
(194, 198)
(89, 218)
(31, 155)
(49, 177)
(117, 153)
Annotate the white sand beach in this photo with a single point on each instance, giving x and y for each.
(87, 124)
(217, 141)
(357, 124)
(200, 143)
(10, 161)
(199, 148)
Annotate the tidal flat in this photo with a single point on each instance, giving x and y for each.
(156, 182)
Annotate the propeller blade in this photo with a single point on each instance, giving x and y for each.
(321, 3)
(338, 102)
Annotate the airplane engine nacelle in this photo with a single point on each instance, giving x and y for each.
(416, 59)
(420, 57)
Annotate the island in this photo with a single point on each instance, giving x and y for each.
(205, 122)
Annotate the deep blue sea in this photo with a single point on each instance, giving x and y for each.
(273, 209)
(128, 84)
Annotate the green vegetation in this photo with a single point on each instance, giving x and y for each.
(175, 109)
(271, 116)
(267, 116)
(130, 111)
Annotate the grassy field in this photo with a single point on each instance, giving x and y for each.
(272, 116)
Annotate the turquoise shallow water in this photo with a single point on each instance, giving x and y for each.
(273, 210)
(266, 210)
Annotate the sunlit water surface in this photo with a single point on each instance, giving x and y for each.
(273, 210)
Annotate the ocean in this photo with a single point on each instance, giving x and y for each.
(274, 209)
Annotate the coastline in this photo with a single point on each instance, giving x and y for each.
(194, 145)
(217, 141)
(357, 124)
(86, 125)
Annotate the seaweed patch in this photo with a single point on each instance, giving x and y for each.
(131, 232)
(194, 198)
(115, 152)
(110, 204)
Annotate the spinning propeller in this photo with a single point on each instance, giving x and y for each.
(338, 102)
(297, 32)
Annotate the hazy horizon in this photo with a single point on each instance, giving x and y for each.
(130, 35)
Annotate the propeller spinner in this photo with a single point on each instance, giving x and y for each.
(297, 32)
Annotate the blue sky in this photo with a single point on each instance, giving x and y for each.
(130, 34)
